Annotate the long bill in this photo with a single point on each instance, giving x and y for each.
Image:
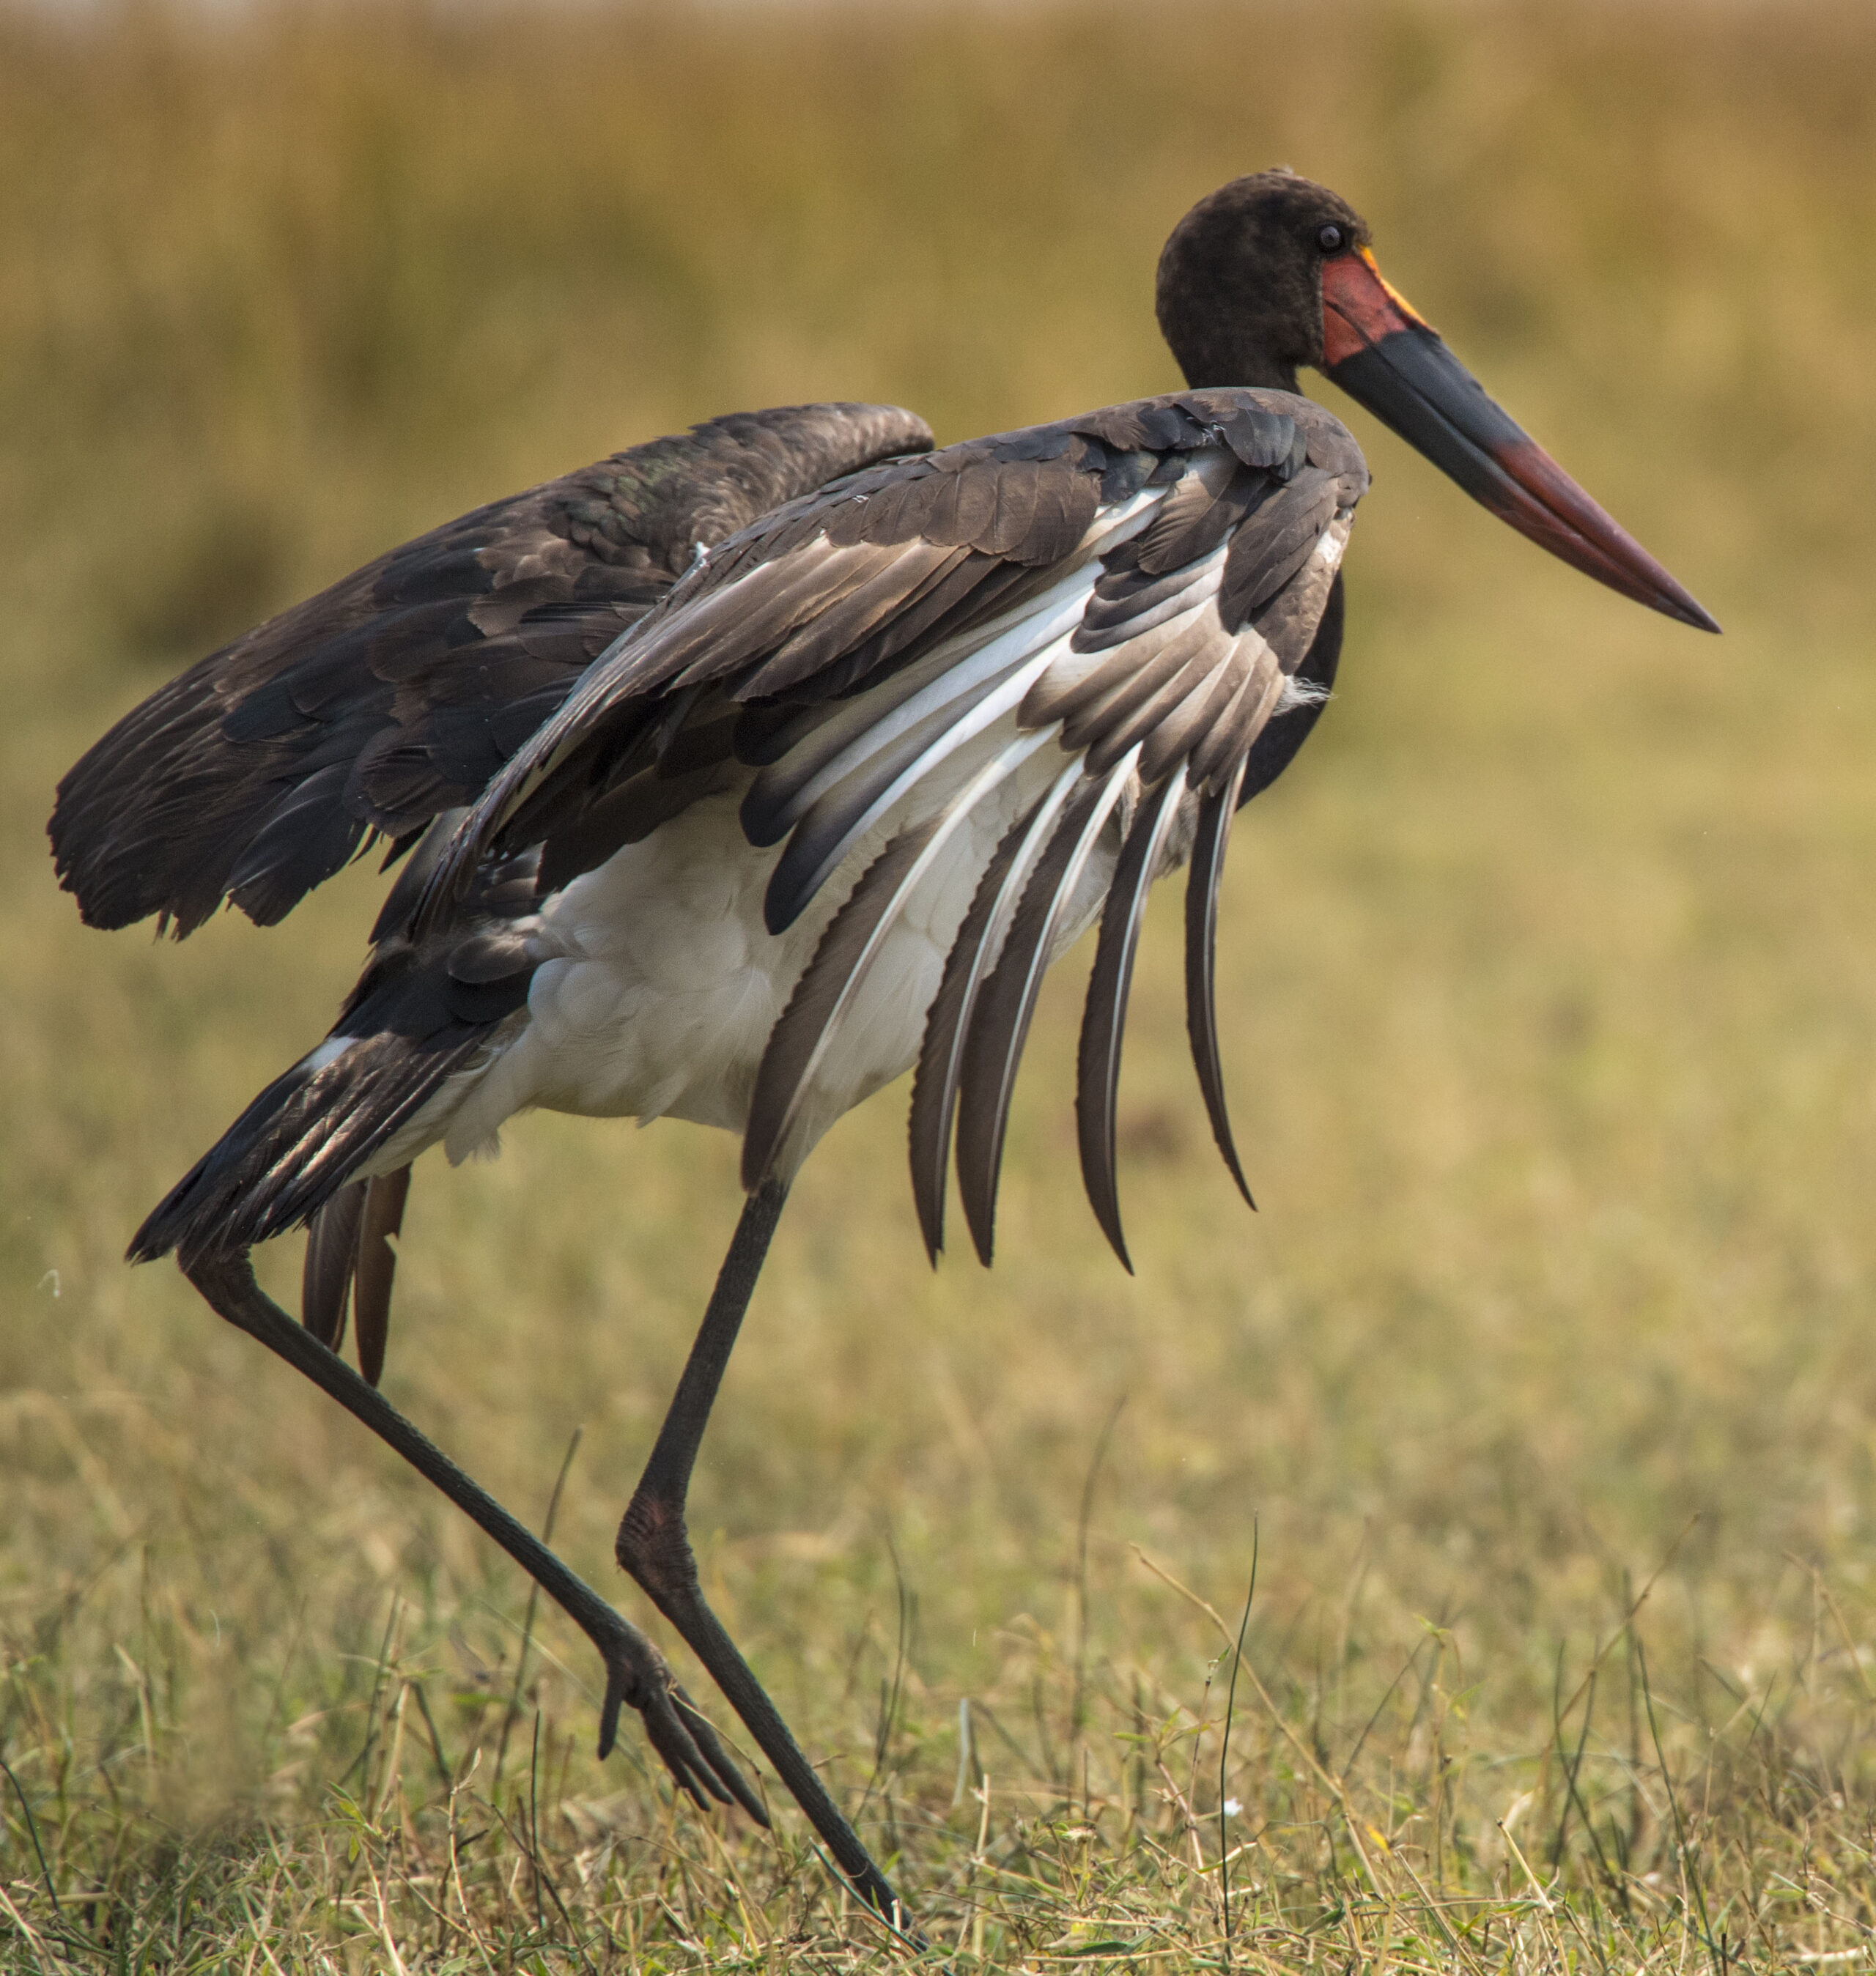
(1387, 359)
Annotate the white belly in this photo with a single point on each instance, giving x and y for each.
(668, 984)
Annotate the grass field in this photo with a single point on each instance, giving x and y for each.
(1541, 1389)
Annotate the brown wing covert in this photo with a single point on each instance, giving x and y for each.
(400, 691)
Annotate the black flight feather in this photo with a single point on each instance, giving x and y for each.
(798, 1044)
(1132, 715)
(1000, 1023)
(1104, 1022)
(793, 1053)
(773, 803)
(1226, 734)
(826, 833)
(1215, 811)
(940, 1054)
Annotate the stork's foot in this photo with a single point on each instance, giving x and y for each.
(654, 1546)
(638, 1676)
(636, 1671)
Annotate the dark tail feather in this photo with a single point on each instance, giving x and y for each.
(300, 1142)
(377, 1264)
(332, 1255)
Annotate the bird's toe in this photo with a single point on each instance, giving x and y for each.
(637, 1675)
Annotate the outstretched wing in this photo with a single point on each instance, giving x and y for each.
(1143, 587)
(399, 692)
(980, 695)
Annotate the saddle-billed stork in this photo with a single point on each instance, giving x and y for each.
(748, 769)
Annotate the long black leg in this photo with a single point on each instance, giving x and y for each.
(654, 1547)
(636, 1671)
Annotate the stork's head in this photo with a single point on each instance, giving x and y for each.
(1271, 273)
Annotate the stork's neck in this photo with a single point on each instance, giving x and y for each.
(1216, 352)
(1246, 370)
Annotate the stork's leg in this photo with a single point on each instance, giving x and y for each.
(654, 1547)
(636, 1671)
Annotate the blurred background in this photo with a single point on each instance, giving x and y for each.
(1549, 980)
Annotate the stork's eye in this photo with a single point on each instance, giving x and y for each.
(1330, 239)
